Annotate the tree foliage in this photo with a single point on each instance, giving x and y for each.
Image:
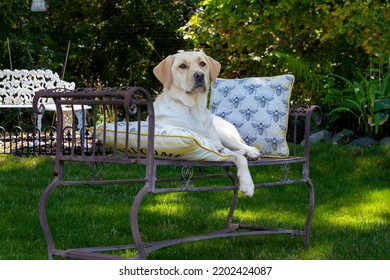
(311, 39)
(114, 41)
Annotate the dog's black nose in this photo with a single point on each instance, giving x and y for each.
(199, 76)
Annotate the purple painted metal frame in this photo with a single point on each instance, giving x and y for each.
(133, 101)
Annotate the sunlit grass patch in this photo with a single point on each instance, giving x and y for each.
(371, 210)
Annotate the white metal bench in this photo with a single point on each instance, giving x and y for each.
(18, 87)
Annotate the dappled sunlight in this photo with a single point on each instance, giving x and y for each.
(169, 205)
(176, 209)
(372, 211)
(9, 162)
(271, 217)
(220, 213)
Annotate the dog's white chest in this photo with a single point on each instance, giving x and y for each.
(171, 111)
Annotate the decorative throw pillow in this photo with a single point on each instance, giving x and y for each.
(258, 108)
(170, 141)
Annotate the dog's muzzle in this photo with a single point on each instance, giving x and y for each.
(199, 81)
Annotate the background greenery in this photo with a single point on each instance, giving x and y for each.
(314, 40)
(109, 38)
(351, 218)
(118, 42)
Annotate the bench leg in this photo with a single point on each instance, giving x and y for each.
(134, 222)
(43, 217)
(234, 198)
(310, 213)
(232, 208)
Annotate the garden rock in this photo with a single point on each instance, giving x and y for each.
(363, 142)
(343, 137)
(320, 136)
(385, 141)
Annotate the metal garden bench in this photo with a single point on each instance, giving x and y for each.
(118, 134)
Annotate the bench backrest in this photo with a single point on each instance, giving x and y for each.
(18, 87)
(119, 133)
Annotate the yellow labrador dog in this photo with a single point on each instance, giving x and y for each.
(186, 79)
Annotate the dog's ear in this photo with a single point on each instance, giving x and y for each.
(163, 71)
(215, 67)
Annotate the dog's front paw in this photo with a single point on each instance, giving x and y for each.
(247, 187)
(252, 153)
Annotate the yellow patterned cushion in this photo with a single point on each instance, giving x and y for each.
(170, 141)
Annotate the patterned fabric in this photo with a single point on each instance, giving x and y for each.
(170, 141)
(258, 108)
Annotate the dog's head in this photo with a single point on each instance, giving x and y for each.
(187, 71)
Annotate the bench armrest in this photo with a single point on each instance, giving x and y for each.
(127, 99)
(307, 113)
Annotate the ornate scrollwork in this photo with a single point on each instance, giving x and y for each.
(285, 170)
(95, 169)
(132, 109)
(186, 172)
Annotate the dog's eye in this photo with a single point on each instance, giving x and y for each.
(183, 66)
(202, 64)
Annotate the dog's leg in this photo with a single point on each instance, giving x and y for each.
(231, 139)
(239, 146)
(244, 177)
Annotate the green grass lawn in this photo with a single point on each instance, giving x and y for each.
(351, 218)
